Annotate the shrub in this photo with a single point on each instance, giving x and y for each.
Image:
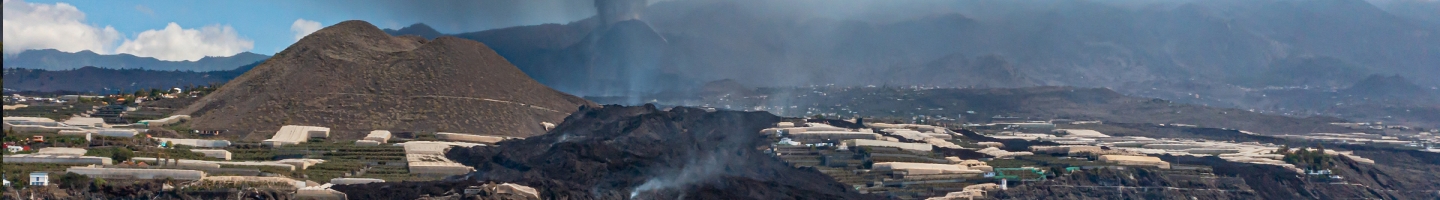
(71, 180)
(117, 154)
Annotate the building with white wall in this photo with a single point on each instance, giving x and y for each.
(291, 134)
(39, 179)
(57, 159)
(466, 137)
(196, 142)
(135, 173)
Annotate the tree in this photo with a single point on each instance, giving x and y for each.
(121, 154)
(71, 180)
(18, 183)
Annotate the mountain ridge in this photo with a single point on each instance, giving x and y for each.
(98, 80)
(50, 59)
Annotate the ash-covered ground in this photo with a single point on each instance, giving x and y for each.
(640, 152)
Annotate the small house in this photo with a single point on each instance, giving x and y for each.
(39, 179)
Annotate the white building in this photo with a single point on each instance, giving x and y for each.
(61, 151)
(880, 143)
(379, 136)
(136, 173)
(214, 153)
(466, 137)
(195, 142)
(57, 159)
(39, 179)
(291, 134)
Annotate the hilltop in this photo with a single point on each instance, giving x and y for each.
(353, 78)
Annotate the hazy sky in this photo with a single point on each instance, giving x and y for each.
(190, 30)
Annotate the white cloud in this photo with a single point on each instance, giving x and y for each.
(57, 26)
(175, 43)
(303, 27)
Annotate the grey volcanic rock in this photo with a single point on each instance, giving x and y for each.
(646, 153)
(353, 78)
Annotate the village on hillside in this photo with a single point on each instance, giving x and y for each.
(915, 158)
(82, 140)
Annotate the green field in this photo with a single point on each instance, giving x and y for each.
(383, 161)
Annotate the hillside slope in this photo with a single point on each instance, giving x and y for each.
(353, 78)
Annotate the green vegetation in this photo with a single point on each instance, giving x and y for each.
(391, 173)
(133, 117)
(182, 129)
(1307, 158)
(67, 141)
(71, 180)
(1043, 162)
(267, 169)
(1011, 163)
(117, 141)
(117, 154)
(11, 137)
(174, 152)
(323, 172)
(58, 113)
(22, 170)
(16, 182)
(340, 158)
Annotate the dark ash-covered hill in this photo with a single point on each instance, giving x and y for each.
(353, 78)
(645, 153)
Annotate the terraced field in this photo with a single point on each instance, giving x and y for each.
(342, 159)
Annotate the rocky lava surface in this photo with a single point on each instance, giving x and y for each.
(640, 152)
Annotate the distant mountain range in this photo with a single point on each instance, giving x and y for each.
(50, 70)
(1079, 43)
(418, 29)
(95, 80)
(50, 59)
